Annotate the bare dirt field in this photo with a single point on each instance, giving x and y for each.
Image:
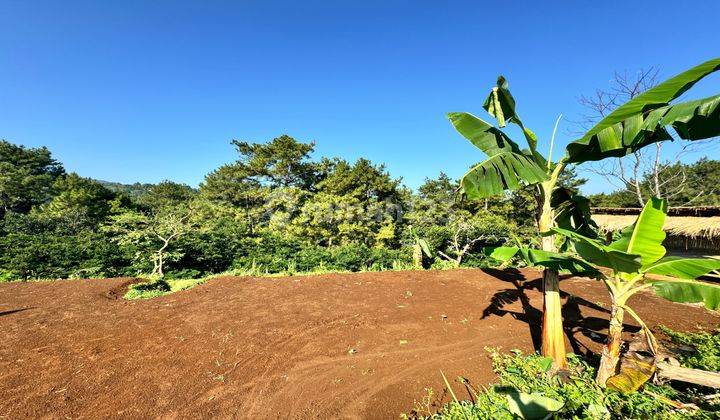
(327, 346)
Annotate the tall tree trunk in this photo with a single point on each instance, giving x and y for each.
(155, 264)
(553, 338)
(611, 350)
(160, 266)
(161, 257)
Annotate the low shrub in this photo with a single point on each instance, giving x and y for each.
(148, 289)
(699, 350)
(524, 386)
(26, 256)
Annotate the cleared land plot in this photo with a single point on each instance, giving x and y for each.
(341, 345)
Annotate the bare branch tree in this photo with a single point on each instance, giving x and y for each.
(462, 242)
(167, 227)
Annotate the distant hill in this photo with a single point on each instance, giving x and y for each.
(133, 190)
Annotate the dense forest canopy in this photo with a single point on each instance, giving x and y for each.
(273, 208)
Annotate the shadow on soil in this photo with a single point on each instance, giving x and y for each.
(12, 311)
(594, 328)
(119, 291)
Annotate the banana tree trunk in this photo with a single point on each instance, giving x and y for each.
(553, 338)
(417, 257)
(611, 351)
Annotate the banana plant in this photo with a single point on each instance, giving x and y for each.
(634, 262)
(637, 262)
(420, 248)
(644, 120)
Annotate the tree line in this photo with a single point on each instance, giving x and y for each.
(273, 209)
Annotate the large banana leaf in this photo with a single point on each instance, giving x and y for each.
(659, 95)
(683, 268)
(537, 257)
(532, 406)
(572, 212)
(646, 235)
(503, 171)
(501, 105)
(643, 119)
(483, 135)
(692, 120)
(689, 291)
(602, 255)
(635, 371)
(425, 247)
(559, 262)
(500, 253)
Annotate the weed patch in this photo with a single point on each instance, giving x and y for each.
(696, 350)
(525, 389)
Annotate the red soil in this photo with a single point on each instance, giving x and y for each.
(341, 345)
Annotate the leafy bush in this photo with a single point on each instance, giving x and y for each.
(275, 254)
(208, 252)
(6, 275)
(312, 257)
(160, 287)
(271, 252)
(46, 255)
(148, 289)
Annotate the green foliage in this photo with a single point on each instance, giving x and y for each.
(82, 202)
(699, 350)
(639, 251)
(26, 177)
(595, 252)
(504, 171)
(636, 253)
(540, 258)
(37, 246)
(573, 212)
(160, 287)
(506, 165)
(165, 195)
(690, 291)
(273, 209)
(527, 376)
(46, 255)
(271, 253)
(133, 191)
(281, 162)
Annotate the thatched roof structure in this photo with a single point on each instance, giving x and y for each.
(692, 227)
(700, 211)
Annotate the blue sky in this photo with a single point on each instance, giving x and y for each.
(151, 90)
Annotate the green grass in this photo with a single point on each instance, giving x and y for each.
(579, 396)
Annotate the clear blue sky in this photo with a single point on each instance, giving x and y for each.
(151, 90)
